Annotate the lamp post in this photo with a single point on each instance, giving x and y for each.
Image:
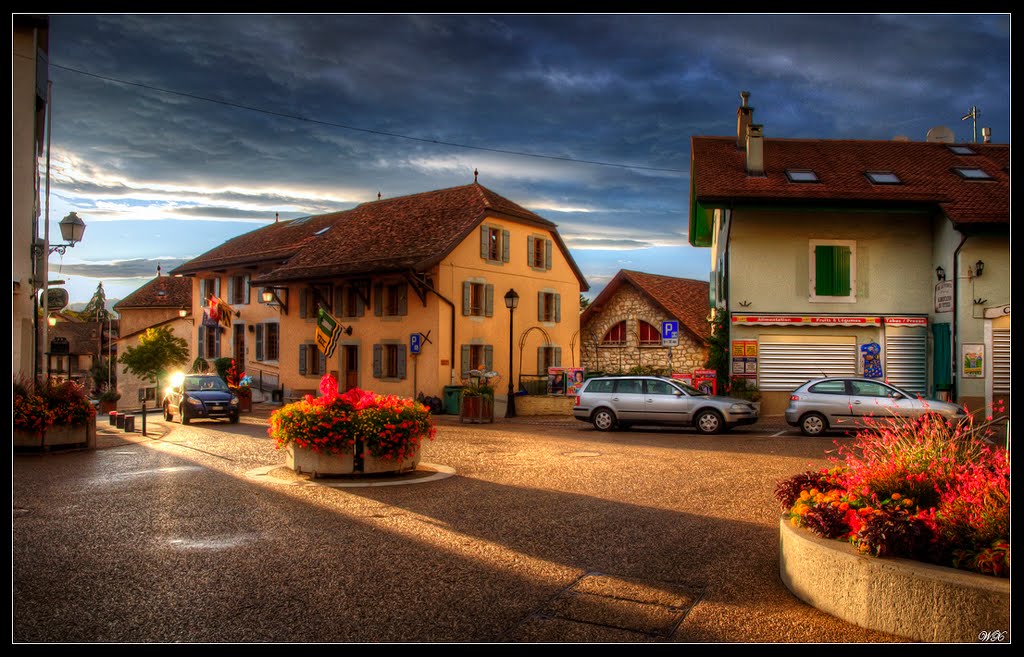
(511, 301)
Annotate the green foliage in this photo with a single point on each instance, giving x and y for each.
(38, 407)
(742, 388)
(718, 350)
(158, 351)
(96, 309)
(646, 370)
(222, 366)
(584, 302)
(200, 365)
(99, 372)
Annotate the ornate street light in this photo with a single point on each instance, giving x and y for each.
(511, 301)
(72, 228)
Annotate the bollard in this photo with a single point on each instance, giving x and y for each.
(129, 424)
(119, 420)
(113, 418)
(143, 417)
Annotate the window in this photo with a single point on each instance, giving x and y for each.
(660, 388)
(477, 357)
(962, 150)
(870, 389)
(351, 304)
(538, 252)
(829, 388)
(629, 386)
(208, 287)
(311, 298)
(971, 173)
(267, 341)
(238, 290)
(312, 361)
(801, 176)
(616, 336)
(390, 300)
(477, 299)
(389, 361)
(883, 177)
(549, 307)
(548, 356)
(649, 335)
(833, 269)
(209, 342)
(494, 244)
(600, 385)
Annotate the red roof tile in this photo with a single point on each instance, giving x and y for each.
(718, 174)
(684, 299)
(161, 292)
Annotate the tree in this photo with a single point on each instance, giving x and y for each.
(96, 309)
(584, 302)
(158, 351)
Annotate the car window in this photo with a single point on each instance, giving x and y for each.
(600, 385)
(198, 383)
(829, 388)
(629, 387)
(659, 388)
(870, 389)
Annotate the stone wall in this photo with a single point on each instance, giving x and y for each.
(630, 305)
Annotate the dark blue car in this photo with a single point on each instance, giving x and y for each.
(201, 396)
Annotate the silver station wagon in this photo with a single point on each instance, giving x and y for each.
(847, 402)
(621, 401)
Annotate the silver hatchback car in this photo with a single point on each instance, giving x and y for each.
(847, 402)
(621, 401)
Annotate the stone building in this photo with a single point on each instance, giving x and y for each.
(620, 331)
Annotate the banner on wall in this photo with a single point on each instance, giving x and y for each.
(870, 353)
(556, 381)
(574, 377)
(972, 361)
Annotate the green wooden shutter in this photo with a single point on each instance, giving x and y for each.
(467, 298)
(558, 307)
(489, 357)
(547, 254)
(400, 351)
(505, 245)
(531, 251)
(377, 361)
(832, 271)
(942, 359)
(485, 247)
(489, 301)
(302, 358)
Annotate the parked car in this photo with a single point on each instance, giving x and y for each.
(610, 401)
(201, 396)
(846, 402)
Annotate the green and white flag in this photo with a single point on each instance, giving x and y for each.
(328, 328)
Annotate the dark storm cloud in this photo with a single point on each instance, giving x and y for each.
(122, 269)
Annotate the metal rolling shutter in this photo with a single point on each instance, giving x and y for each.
(1001, 361)
(906, 361)
(786, 366)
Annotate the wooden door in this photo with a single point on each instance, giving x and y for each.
(351, 366)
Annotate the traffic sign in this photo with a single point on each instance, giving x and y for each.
(670, 333)
(414, 343)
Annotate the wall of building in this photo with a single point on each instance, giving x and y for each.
(129, 385)
(632, 306)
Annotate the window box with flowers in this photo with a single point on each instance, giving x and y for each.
(357, 432)
(52, 413)
(913, 509)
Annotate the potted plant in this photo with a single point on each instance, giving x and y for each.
(241, 386)
(743, 388)
(52, 413)
(477, 404)
(357, 432)
(108, 401)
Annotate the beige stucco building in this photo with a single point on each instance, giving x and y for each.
(435, 265)
(886, 259)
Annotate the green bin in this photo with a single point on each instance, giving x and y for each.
(452, 397)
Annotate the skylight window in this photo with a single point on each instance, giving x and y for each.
(802, 176)
(969, 173)
(301, 220)
(322, 230)
(883, 177)
(962, 150)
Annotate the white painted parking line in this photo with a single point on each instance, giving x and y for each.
(779, 433)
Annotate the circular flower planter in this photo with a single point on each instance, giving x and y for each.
(907, 598)
(319, 463)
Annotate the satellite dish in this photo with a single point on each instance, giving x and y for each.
(901, 138)
(940, 134)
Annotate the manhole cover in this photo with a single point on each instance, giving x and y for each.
(582, 454)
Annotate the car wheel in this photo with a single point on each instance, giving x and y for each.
(184, 415)
(603, 419)
(167, 413)
(234, 419)
(708, 422)
(813, 424)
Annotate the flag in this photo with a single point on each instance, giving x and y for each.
(328, 328)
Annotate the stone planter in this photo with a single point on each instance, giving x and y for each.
(106, 406)
(307, 461)
(915, 600)
(57, 436)
(28, 438)
(476, 409)
(244, 404)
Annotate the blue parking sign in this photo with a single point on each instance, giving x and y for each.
(669, 330)
(414, 343)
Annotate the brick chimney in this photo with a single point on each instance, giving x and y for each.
(744, 115)
(755, 150)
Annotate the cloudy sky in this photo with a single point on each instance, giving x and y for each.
(172, 134)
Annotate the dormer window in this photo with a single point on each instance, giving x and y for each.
(883, 177)
(801, 176)
(971, 173)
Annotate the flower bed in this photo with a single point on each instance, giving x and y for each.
(358, 424)
(51, 413)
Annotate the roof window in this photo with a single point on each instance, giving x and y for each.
(322, 230)
(971, 173)
(802, 176)
(962, 150)
(883, 177)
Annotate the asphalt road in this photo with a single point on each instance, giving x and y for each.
(549, 531)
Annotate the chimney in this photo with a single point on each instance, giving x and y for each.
(986, 135)
(755, 150)
(744, 115)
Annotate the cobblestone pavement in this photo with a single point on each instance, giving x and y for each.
(549, 531)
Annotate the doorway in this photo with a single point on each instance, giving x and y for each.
(350, 365)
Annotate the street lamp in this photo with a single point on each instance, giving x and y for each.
(511, 301)
(72, 228)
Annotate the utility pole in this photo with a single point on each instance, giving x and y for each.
(973, 114)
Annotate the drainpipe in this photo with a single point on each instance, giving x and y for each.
(448, 301)
(952, 327)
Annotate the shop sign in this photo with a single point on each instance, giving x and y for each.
(805, 320)
(906, 321)
(944, 297)
(999, 311)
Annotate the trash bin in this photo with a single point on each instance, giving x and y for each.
(452, 397)
(277, 396)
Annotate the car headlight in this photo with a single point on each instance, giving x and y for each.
(740, 408)
(194, 401)
(234, 401)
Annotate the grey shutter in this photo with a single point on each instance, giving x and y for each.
(547, 254)
(400, 352)
(540, 306)
(377, 361)
(321, 362)
(259, 342)
(403, 299)
(248, 290)
(216, 342)
(339, 301)
(378, 300)
(558, 307)
(558, 356)
(302, 358)
(489, 301)
(485, 249)
(467, 297)
(489, 357)
(216, 287)
(360, 306)
(505, 245)
(466, 366)
(303, 302)
(200, 340)
(531, 251)
(540, 361)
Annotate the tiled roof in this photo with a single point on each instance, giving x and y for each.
(83, 338)
(161, 292)
(408, 232)
(925, 168)
(684, 299)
